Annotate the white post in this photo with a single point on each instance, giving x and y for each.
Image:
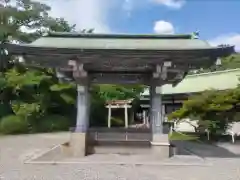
(109, 115)
(233, 138)
(126, 115)
(163, 112)
(144, 117)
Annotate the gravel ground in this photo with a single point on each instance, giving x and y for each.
(15, 149)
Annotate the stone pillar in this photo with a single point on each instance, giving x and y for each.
(156, 110)
(79, 136)
(160, 142)
(82, 108)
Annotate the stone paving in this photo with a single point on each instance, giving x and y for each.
(15, 149)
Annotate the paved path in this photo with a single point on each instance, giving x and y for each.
(15, 149)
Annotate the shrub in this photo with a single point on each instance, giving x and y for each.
(5, 110)
(51, 123)
(13, 124)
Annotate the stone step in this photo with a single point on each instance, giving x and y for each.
(129, 143)
(119, 147)
(124, 150)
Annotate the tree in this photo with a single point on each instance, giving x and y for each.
(117, 92)
(230, 62)
(31, 92)
(27, 20)
(215, 109)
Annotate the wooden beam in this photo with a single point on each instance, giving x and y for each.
(93, 62)
(118, 106)
(119, 78)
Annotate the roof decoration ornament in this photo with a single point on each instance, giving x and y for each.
(87, 31)
(224, 45)
(195, 35)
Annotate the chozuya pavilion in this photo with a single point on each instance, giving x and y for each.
(153, 60)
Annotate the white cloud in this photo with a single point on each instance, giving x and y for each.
(86, 14)
(176, 4)
(163, 27)
(232, 39)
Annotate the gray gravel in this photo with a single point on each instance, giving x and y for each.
(15, 149)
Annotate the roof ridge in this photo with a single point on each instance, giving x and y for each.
(102, 35)
(214, 72)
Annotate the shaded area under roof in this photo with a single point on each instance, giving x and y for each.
(219, 80)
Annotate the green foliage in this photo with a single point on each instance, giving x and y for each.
(117, 92)
(32, 92)
(175, 136)
(230, 62)
(215, 109)
(13, 125)
(61, 86)
(25, 109)
(17, 79)
(5, 109)
(98, 112)
(30, 15)
(51, 123)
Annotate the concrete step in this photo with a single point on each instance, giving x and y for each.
(124, 150)
(129, 143)
(120, 147)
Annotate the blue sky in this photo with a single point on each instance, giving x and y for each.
(216, 20)
(211, 17)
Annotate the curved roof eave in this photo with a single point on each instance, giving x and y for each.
(23, 48)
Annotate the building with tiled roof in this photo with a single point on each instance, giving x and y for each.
(174, 96)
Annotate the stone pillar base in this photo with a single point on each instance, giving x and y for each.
(160, 146)
(78, 144)
(160, 138)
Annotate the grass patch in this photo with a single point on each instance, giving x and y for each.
(176, 136)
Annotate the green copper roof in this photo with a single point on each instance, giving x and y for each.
(119, 41)
(220, 80)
